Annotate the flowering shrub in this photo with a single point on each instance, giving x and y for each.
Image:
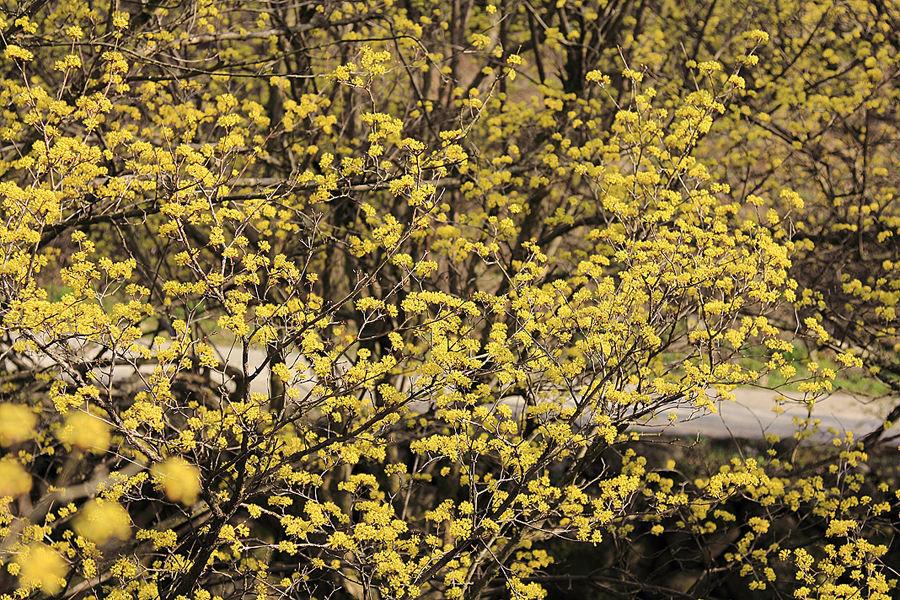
(365, 300)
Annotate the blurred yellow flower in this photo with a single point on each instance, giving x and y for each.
(179, 480)
(85, 431)
(42, 568)
(16, 423)
(101, 520)
(14, 480)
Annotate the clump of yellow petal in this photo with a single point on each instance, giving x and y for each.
(178, 479)
(101, 520)
(16, 423)
(42, 568)
(85, 431)
(14, 480)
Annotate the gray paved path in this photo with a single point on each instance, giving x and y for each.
(750, 416)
